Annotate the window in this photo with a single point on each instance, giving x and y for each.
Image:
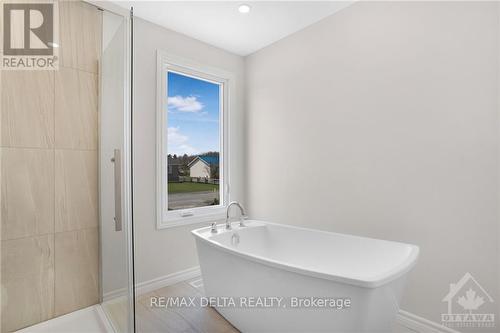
(192, 172)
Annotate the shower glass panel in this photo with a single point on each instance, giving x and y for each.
(65, 151)
(116, 238)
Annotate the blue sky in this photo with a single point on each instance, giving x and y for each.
(193, 115)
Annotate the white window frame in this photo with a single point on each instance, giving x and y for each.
(165, 219)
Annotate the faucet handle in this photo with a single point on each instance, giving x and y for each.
(242, 220)
(213, 228)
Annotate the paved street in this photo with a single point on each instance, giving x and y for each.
(191, 199)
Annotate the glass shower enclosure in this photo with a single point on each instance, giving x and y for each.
(66, 206)
(117, 293)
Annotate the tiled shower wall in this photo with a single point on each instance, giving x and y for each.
(49, 199)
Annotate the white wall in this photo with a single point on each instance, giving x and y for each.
(162, 252)
(386, 118)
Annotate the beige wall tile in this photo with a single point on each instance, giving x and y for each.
(80, 31)
(27, 201)
(44, 109)
(27, 110)
(27, 281)
(75, 109)
(75, 190)
(76, 272)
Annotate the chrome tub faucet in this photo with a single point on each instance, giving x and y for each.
(242, 217)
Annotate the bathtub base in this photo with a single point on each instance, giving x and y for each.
(372, 309)
(269, 261)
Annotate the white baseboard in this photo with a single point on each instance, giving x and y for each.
(114, 294)
(167, 280)
(142, 288)
(421, 325)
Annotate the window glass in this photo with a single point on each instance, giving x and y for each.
(193, 141)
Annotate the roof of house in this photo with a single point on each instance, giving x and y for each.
(206, 159)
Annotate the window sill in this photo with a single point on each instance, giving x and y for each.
(189, 220)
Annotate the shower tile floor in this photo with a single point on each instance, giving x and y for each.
(88, 320)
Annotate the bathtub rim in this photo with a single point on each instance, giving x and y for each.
(371, 282)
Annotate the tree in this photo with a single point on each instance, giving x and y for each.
(214, 171)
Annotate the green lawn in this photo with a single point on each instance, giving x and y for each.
(191, 187)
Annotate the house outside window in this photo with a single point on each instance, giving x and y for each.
(192, 172)
(205, 167)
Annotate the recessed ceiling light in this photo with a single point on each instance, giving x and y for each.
(53, 44)
(244, 9)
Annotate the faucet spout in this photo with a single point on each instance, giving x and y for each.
(242, 211)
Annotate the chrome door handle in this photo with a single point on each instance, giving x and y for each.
(117, 160)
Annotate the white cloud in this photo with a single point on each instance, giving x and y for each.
(178, 143)
(175, 137)
(185, 104)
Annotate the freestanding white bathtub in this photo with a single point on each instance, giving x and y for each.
(266, 262)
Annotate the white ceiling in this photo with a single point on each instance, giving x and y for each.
(220, 24)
